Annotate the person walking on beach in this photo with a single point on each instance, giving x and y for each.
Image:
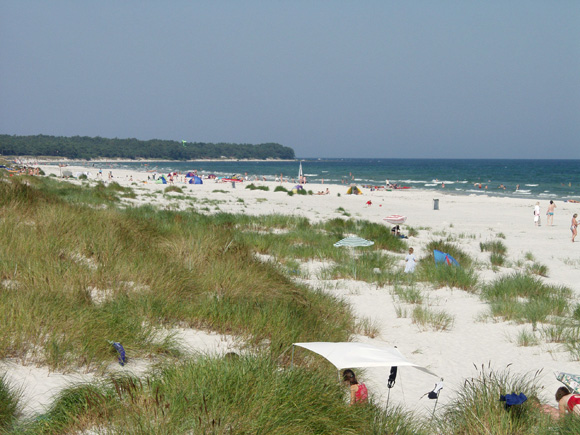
(550, 213)
(537, 214)
(358, 392)
(410, 261)
(574, 226)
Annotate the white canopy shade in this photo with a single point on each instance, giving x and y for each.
(353, 355)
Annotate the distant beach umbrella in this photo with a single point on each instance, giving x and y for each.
(353, 242)
(395, 219)
(442, 257)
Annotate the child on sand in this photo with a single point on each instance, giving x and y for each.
(537, 214)
(410, 261)
(358, 392)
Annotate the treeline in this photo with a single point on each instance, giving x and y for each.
(84, 147)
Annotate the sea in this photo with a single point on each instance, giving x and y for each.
(541, 179)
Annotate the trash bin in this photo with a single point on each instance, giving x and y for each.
(435, 204)
(234, 184)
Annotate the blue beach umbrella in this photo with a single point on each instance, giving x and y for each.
(442, 257)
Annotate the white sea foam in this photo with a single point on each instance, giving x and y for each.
(431, 184)
(531, 185)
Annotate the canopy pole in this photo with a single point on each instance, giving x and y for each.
(292, 361)
(435, 406)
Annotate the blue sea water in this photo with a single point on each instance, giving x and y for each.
(542, 179)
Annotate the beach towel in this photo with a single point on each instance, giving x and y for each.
(513, 399)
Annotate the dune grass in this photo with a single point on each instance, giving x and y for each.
(526, 299)
(495, 246)
(220, 395)
(80, 276)
(441, 275)
(426, 317)
(408, 294)
(537, 269)
(477, 409)
(496, 259)
(10, 403)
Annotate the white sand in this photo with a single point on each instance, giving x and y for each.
(469, 219)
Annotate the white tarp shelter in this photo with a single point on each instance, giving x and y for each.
(347, 355)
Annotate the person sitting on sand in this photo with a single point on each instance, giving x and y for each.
(358, 392)
(396, 231)
(567, 401)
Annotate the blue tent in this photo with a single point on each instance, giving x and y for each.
(195, 180)
(161, 180)
(442, 257)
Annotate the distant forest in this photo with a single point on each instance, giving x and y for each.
(83, 147)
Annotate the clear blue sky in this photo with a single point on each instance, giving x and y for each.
(385, 78)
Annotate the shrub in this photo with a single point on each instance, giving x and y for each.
(176, 189)
(524, 298)
(462, 258)
(437, 320)
(443, 275)
(9, 403)
(245, 395)
(537, 269)
(496, 259)
(477, 410)
(496, 247)
(280, 189)
(412, 232)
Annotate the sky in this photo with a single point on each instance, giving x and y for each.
(384, 78)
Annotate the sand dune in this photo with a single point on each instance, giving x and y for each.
(469, 220)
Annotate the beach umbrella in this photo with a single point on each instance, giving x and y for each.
(571, 381)
(353, 242)
(395, 219)
(442, 257)
(347, 355)
(300, 172)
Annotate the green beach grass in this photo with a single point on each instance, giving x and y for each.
(79, 269)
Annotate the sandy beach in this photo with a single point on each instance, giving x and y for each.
(466, 220)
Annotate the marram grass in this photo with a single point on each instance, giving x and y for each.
(221, 395)
(74, 277)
